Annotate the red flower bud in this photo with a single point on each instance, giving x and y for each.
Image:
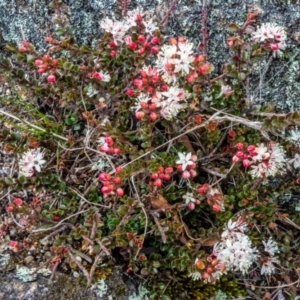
(144, 105)
(120, 192)
(22, 49)
(108, 140)
(9, 208)
(38, 62)
(203, 189)
(118, 170)
(157, 183)
(167, 177)
(154, 176)
(18, 201)
(216, 207)
(129, 93)
(169, 170)
(246, 163)
(51, 79)
(106, 189)
(152, 106)
(239, 154)
(160, 169)
(141, 38)
(154, 40)
(164, 87)
(154, 50)
(117, 151)
(153, 116)
(49, 39)
(235, 159)
(186, 174)
(104, 176)
(113, 53)
(239, 146)
(117, 180)
(139, 115)
(132, 45)
(46, 58)
(112, 45)
(191, 205)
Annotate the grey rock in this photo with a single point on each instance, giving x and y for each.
(28, 259)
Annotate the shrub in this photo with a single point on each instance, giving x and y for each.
(134, 147)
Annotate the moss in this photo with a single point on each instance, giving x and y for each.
(186, 288)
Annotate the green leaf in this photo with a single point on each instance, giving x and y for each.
(67, 65)
(30, 57)
(122, 210)
(233, 27)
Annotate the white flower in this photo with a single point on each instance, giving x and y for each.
(295, 136)
(184, 160)
(261, 153)
(195, 275)
(105, 76)
(171, 102)
(175, 59)
(189, 197)
(231, 227)
(235, 250)
(269, 32)
(268, 267)
(295, 161)
(271, 247)
(273, 37)
(141, 98)
(171, 110)
(149, 26)
(116, 28)
(175, 94)
(150, 71)
(225, 90)
(185, 58)
(30, 161)
(269, 162)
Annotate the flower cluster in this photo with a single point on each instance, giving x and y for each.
(235, 250)
(177, 60)
(264, 160)
(214, 197)
(271, 36)
(110, 184)
(209, 270)
(106, 146)
(16, 203)
(271, 248)
(190, 200)
(30, 162)
(119, 29)
(161, 175)
(168, 104)
(186, 165)
(101, 76)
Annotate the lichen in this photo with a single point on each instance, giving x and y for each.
(142, 294)
(102, 288)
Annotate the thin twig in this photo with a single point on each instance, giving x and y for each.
(162, 233)
(144, 211)
(93, 268)
(168, 13)
(85, 200)
(80, 266)
(31, 125)
(60, 223)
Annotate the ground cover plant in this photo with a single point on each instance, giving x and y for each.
(138, 149)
